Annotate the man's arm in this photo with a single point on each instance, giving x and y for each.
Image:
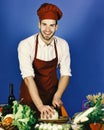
(32, 88)
(63, 83)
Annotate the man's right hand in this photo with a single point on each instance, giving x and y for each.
(46, 111)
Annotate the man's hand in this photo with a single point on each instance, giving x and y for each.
(57, 102)
(46, 111)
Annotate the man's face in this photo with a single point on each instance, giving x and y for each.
(47, 29)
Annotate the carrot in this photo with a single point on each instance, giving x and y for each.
(1, 109)
(7, 120)
(63, 111)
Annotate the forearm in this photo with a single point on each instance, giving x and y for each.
(45, 110)
(63, 83)
(32, 88)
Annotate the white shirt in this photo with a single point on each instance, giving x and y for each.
(26, 52)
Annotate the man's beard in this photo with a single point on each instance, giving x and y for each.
(46, 38)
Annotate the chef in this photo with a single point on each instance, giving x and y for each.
(40, 55)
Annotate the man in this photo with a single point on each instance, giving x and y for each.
(39, 57)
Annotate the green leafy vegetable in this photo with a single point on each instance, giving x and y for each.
(92, 115)
(97, 115)
(24, 117)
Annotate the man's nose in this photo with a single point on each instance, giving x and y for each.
(47, 28)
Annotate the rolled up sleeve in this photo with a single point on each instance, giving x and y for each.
(65, 60)
(25, 60)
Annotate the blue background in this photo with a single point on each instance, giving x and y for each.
(82, 26)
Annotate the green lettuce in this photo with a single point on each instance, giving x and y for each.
(24, 117)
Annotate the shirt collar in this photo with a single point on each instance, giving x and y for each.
(41, 43)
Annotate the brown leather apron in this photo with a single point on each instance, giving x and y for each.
(45, 78)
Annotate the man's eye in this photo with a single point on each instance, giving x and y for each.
(43, 24)
(52, 25)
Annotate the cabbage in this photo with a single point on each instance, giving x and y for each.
(24, 117)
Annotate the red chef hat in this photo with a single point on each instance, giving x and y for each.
(49, 11)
